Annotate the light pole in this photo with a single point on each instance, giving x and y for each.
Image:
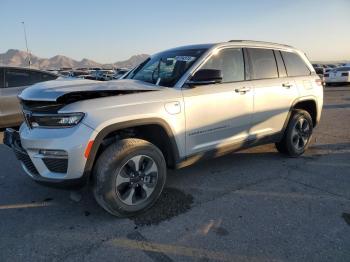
(25, 37)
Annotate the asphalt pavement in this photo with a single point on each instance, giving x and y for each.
(254, 205)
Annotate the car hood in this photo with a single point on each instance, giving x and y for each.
(56, 90)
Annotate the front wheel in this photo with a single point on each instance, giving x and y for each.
(129, 176)
(297, 135)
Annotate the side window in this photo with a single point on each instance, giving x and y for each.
(230, 62)
(2, 80)
(17, 77)
(47, 77)
(263, 63)
(295, 65)
(35, 77)
(280, 64)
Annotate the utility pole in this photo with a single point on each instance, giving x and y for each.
(25, 37)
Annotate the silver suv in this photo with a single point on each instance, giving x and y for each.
(177, 107)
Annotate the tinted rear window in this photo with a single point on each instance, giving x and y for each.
(17, 77)
(1, 77)
(21, 77)
(263, 63)
(295, 65)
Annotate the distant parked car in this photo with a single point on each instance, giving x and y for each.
(12, 81)
(320, 72)
(317, 65)
(77, 73)
(320, 69)
(329, 67)
(65, 73)
(101, 75)
(120, 72)
(83, 76)
(338, 75)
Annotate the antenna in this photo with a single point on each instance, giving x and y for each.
(25, 37)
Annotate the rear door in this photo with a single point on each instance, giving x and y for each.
(274, 92)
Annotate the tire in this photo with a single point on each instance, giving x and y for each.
(297, 135)
(125, 182)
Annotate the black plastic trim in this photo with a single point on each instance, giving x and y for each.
(118, 126)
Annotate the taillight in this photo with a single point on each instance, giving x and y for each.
(318, 82)
(345, 74)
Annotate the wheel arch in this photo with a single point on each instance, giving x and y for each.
(169, 148)
(309, 105)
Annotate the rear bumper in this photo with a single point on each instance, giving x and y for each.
(62, 172)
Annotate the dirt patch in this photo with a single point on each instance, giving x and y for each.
(171, 203)
(346, 217)
(220, 231)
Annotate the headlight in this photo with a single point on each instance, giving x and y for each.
(56, 120)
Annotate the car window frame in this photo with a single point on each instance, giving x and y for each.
(305, 64)
(214, 52)
(278, 67)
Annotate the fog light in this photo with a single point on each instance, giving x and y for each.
(53, 153)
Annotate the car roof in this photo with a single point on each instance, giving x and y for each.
(246, 43)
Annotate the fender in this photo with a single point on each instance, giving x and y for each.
(296, 101)
(121, 125)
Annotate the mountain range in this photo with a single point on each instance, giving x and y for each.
(14, 57)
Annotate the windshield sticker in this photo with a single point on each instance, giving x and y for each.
(185, 58)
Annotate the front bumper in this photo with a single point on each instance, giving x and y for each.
(60, 171)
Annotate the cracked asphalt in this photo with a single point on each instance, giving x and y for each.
(254, 205)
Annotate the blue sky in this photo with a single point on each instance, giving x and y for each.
(108, 31)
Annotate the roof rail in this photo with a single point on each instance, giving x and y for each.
(258, 42)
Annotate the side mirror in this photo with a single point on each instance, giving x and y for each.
(205, 77)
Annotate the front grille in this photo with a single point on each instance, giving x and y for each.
(57, 165)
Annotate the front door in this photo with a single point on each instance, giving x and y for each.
(218, 115)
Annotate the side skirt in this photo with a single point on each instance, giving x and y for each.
(224, 150)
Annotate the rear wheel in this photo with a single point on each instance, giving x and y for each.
(129, 176)
(298, 134)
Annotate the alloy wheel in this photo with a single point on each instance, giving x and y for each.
(136, 180)
(301, 133)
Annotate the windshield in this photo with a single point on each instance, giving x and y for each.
(166, 68)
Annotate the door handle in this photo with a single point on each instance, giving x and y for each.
(287, 85)
(242, 90)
